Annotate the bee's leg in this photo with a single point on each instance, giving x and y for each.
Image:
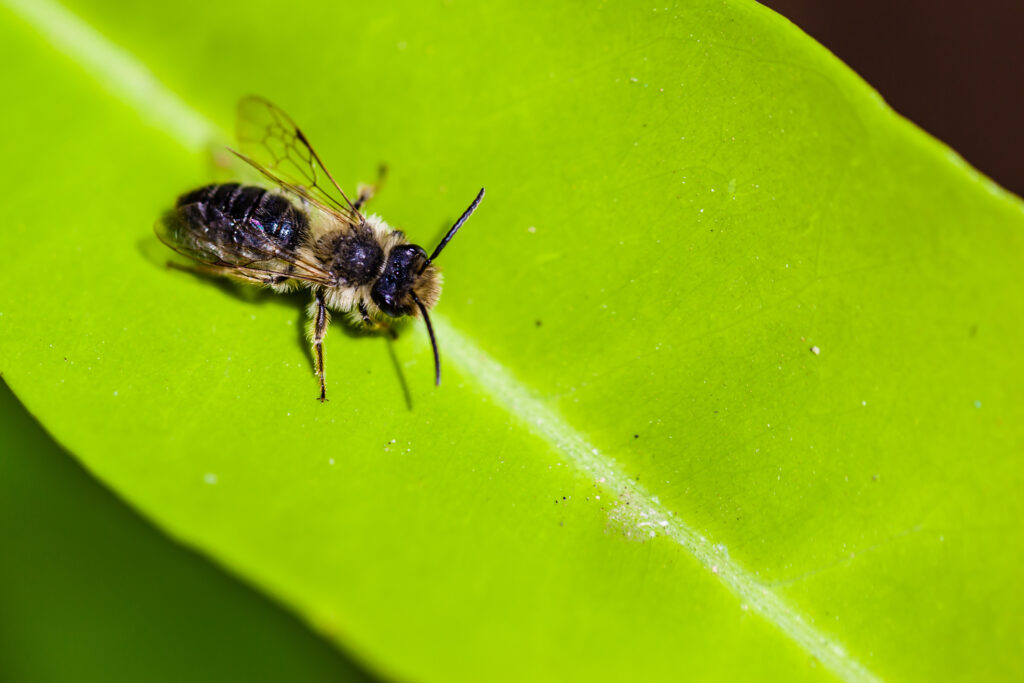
(373, 324)
(365, 314)
(318, 320)
(366, 192)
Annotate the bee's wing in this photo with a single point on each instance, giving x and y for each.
(271, 142)
(252, 255)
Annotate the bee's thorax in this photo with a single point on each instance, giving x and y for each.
(354, 257)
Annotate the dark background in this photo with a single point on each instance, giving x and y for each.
(953, 67)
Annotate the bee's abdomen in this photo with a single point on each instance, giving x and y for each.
(237, 214)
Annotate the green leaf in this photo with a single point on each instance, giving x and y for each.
(732, 371)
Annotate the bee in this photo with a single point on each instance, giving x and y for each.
(305, 234)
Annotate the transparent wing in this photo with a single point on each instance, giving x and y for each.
(235, 247)
(271, 142)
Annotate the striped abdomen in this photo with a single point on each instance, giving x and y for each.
(242, 219)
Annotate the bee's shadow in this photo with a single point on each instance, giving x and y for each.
(295, 300)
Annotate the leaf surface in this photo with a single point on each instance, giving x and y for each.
(732, 372)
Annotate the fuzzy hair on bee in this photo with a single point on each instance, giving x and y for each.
(307, 234)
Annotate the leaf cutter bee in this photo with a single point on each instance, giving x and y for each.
(305, 234)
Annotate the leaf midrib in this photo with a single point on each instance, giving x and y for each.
(128, 80)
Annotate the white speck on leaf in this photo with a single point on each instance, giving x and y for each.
(210, 478)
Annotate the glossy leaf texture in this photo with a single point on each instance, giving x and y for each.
(732, 372)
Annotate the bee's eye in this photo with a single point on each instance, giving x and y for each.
(417, 259)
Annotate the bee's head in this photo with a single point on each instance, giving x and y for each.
(410, 282)
(407, 277)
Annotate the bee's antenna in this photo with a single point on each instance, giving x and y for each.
(430, 331)
(451, 233)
